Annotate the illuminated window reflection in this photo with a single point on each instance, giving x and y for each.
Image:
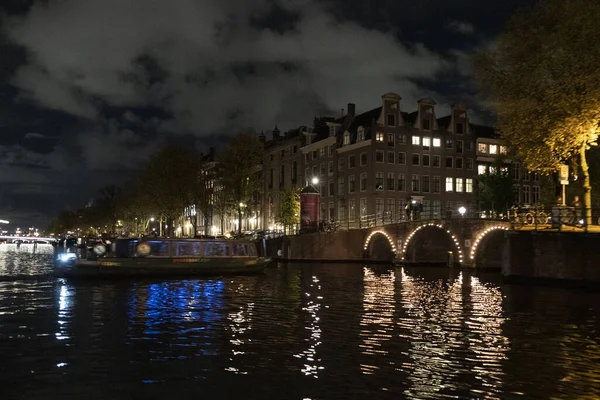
(377, 318)
(311, 366)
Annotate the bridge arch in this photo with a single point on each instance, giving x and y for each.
(373, 235)
(432, 225)
(482, 236)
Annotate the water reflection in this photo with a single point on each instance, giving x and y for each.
(431, 325)
(364, 332)
(239, 324)
(26, 259)
(313, 298)
(486, 339)
(179, 313)
(377, 317)
(65, 306)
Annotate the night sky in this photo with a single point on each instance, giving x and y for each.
(88, 88)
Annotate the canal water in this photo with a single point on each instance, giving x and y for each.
(298, 331)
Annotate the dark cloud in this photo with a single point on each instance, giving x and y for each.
(94, 85)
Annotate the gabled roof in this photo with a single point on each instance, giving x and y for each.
(365, 120)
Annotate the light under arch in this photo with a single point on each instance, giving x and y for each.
(382, 232)
(480, 237)
(454, 239)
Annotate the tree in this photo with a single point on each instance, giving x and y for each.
(237, 170)
(288, 213)
(108, 207)
(543, 80)
(495, 188)
(167, 182)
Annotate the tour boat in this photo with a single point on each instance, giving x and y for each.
(161, 257)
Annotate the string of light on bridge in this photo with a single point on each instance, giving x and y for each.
(456, 243)
(481, 236)
(384, 233)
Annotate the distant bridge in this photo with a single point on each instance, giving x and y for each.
(27, 239)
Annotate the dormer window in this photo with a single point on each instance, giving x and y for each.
(391, 120)
(346, 139)
(360, 133)
(426, 124)
(460, 128)
(331, 130)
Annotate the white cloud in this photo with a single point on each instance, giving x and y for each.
(463, 27)
(81, 51)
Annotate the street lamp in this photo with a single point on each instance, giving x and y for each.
(462, 211)
(315, 180)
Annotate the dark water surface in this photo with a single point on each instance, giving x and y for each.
(310, 331)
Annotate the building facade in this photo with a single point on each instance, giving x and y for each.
(491, 149)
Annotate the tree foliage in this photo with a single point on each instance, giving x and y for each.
(543, 81)
(288, 213)
(168, 182)
(238, 167)
(495, 188)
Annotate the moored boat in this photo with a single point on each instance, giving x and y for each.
(162, 257)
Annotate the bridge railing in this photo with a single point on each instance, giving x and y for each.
(389, 217)
(520, 218)
(561, 218)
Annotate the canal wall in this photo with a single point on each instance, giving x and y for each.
(339, 247)
(552, 256)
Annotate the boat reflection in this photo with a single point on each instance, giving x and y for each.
(65, 306)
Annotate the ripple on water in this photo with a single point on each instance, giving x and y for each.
(298, 331)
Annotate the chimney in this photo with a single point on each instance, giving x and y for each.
(276, 133)
(262, 137)
(351, 109)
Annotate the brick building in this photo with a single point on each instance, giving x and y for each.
(369, 165)
(490, 149)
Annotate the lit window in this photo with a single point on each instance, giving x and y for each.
(459, 184)
(379, 137)
(493, 149)
(502, 149)
(416, 140)
(437, 142)
(482, 148)
(449, 184)
(346, 139)
(469, 185)
(426, 143)
(481, 169)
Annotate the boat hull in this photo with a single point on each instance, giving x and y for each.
(132, 267)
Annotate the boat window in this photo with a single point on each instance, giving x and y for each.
(240, 249)
(187, 249)
(158, 248)
(215, 249)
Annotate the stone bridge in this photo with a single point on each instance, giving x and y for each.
(462, 241)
